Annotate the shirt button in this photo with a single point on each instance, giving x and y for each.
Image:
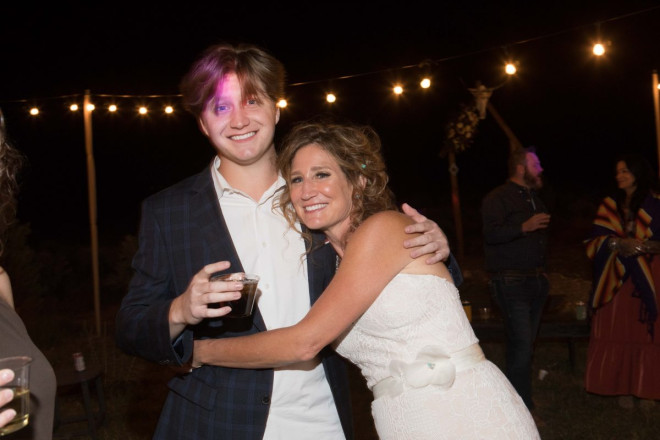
(265, 400)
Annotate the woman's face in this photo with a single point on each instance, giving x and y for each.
(320, 192)
(624, 178)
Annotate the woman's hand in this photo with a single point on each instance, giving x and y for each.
(627, 247)
(6, 396)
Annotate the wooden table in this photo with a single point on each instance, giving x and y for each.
(553, 328)
(71, 381)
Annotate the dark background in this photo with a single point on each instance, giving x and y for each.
(579, 111)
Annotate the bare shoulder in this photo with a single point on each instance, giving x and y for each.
(386, 221)
(383, 232)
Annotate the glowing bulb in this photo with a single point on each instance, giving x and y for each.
(425, 83)
(330, 97)
(142, 110)
(398, 89)
(112, 108)
(73, 107)
(510, 69)
(282, 103)
(90, 107)
(599, 49)
(169, 109)
(34, 111)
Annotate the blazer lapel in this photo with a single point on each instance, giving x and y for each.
(207, 216)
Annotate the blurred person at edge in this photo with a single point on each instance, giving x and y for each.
(14, 338)
(515, 222)
(623, 358)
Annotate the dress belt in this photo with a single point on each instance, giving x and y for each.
(432, 367)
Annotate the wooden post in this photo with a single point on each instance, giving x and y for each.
(513, 140)
(657, 113)
(91, 190)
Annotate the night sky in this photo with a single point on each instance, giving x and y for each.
(579, 111)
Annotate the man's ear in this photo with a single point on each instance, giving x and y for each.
(202, 127)
(277, 114)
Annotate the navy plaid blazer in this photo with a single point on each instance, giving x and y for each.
(182, 229)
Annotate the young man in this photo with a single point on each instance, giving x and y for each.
(515, 220)
(225, 219)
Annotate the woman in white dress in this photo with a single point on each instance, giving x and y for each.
(400, 320)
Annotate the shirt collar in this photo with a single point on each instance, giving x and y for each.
(223, 188)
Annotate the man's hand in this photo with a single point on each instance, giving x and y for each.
(192, 306)
(432, 241)
(535, 222)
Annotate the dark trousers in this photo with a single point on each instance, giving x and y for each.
(521, 299)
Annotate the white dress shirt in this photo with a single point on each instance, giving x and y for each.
(302, 406)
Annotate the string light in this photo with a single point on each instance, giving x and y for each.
(599, 49)
(142, 110)
(424, 67)
(91, 107)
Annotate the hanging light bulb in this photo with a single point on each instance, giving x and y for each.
(510, 68)
(112, 108)
(599, 49)
(143, 110)
(398, 89)
(90, 107)
(330, 97)
(282, 103)
(73, 107)
(169, 109)
(34, 111)
(425, 83)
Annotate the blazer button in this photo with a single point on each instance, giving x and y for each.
(265, 400)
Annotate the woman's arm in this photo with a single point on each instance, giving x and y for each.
(372, 258)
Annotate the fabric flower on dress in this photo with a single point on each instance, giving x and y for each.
(433, 366)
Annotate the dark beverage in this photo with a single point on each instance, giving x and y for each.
(243, 306)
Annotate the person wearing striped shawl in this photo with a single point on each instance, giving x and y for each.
(623, 358)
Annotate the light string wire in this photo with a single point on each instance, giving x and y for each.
(362, 74)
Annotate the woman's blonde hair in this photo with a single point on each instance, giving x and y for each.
(356, 149)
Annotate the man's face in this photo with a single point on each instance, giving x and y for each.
(241, 128)
(533, 171)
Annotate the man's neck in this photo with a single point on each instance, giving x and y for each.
(252, 179)
(519, 181)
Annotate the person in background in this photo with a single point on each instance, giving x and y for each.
(515, 222)
(398, 319)
(223, 219)
(14, 337)
(623, 358)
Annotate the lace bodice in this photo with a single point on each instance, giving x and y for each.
(412, 312)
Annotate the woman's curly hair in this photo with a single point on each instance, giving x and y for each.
(357, 151)
(11, 161)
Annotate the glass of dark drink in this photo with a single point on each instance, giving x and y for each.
(243, 306)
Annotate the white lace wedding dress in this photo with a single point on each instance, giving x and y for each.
(420, 357)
